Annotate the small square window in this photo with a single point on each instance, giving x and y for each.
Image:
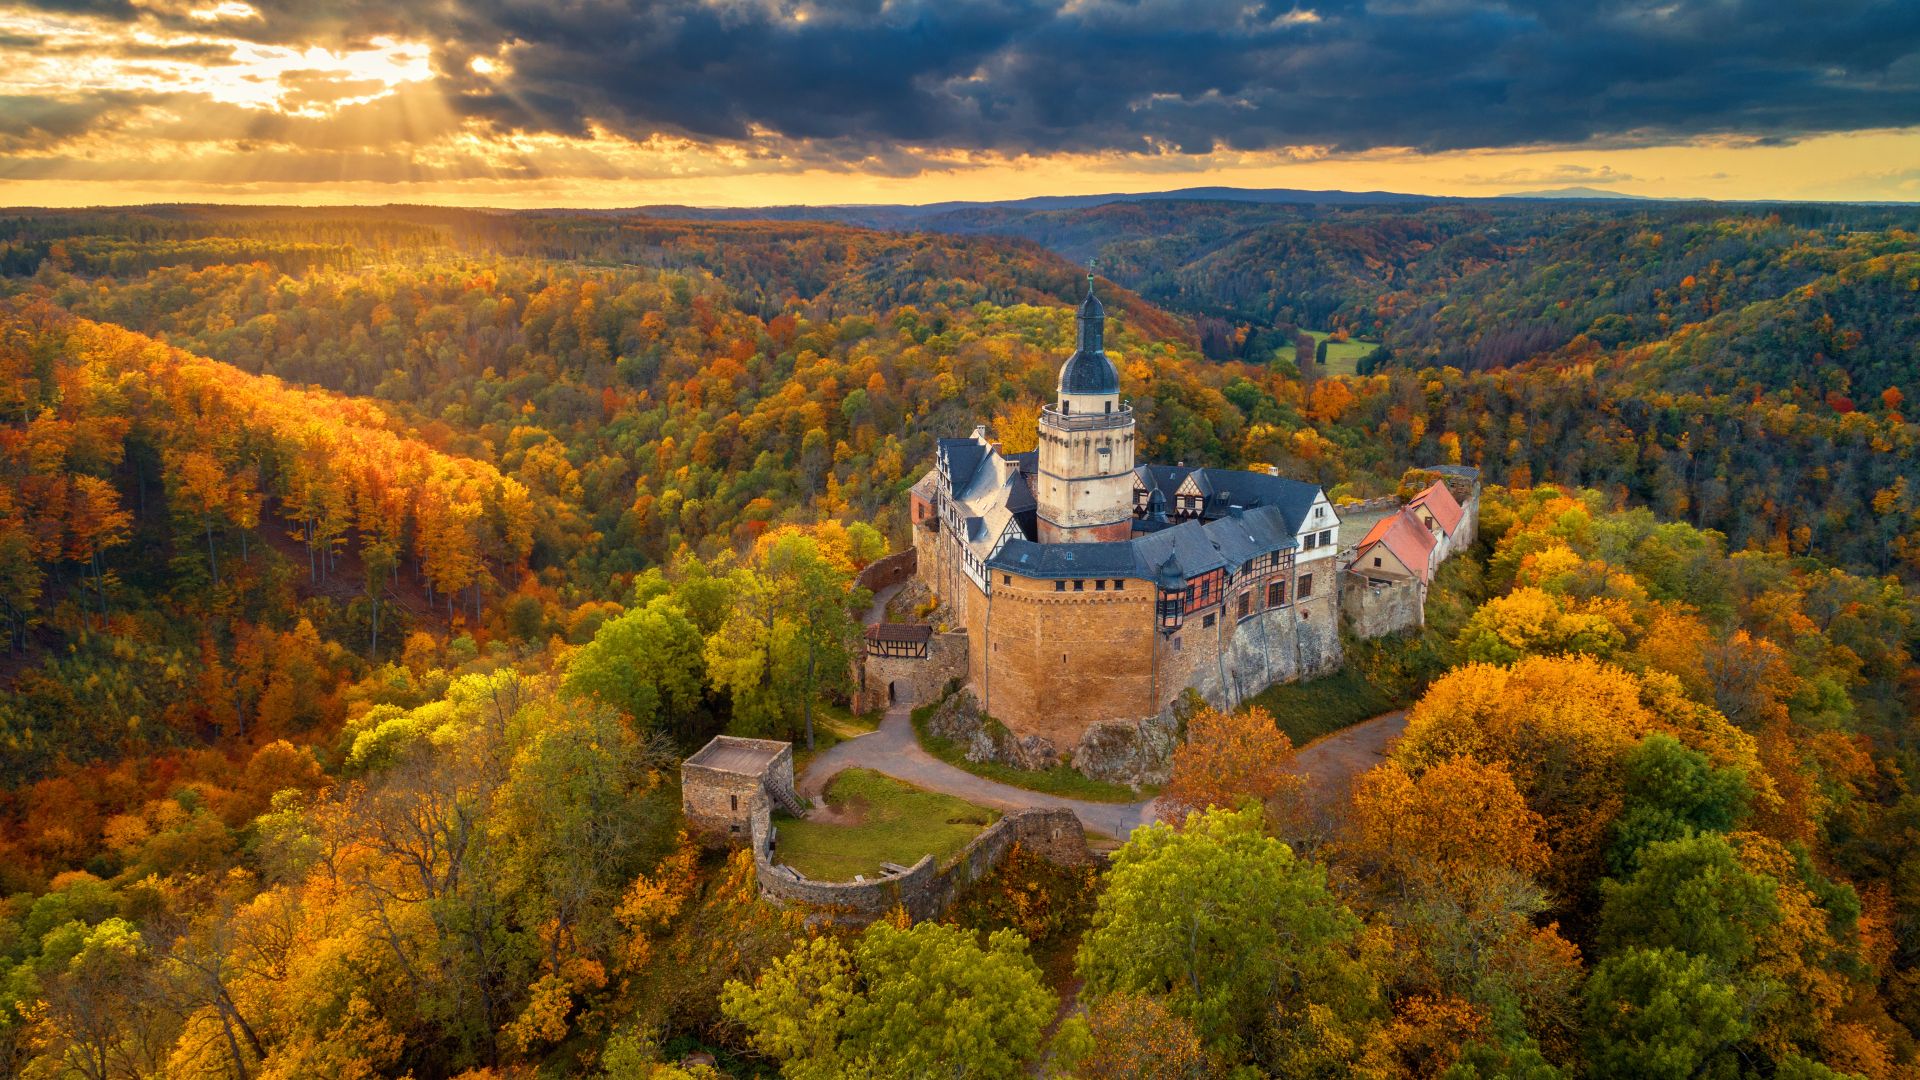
(1099, 585)
(1006, 579)
(1119, 584)
(1059, 586)
(1206, 622)
(1376, 560)
(1079, 585)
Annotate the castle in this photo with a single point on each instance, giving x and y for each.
(1088, 589)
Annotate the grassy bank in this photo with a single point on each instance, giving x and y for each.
(1062, 780)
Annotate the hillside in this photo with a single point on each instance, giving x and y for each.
(368, 572)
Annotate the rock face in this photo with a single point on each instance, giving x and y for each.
(959, 718)
(1129, 751)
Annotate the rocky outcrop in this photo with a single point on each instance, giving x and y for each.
(1129, 751)
(960, 720)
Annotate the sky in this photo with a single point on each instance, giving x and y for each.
(762, 102)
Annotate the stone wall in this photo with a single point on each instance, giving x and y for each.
(720, 806)
(1059, 660)
(927, 889)
(892, 570)
(1372, 611)
(723, 808)
(915, 680)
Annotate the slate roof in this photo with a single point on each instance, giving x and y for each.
(1227, 489)
(1020, 494)
(962, 456)
(1440, 503)
(1190, 548)
(1088, 371)
(1404, 535)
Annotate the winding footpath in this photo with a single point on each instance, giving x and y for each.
(1329, 766)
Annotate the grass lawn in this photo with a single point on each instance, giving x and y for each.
(881, 820)
(1343, 357)
(1062, 780)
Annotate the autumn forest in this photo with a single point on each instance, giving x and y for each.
(366, 574)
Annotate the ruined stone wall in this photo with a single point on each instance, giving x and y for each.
(892, 570)
(914, 681)
(1374, 612)
(1057, 661)
(927, 889)
(720, 806)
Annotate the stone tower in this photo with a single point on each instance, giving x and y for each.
(1085, 487)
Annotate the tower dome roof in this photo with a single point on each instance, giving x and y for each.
(1088, 371)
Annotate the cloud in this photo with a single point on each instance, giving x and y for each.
(904, 85)
(1556, 175)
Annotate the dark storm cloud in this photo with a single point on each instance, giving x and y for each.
(1019, 76)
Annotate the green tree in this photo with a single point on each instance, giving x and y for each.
(648, 663)
(1213, 916)
(1659, 1014)
(926, 1001)
(1673, 792)
(1691, 894)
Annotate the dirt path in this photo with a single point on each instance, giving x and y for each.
(1329, 764)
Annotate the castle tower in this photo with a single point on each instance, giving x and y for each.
(1085, 487)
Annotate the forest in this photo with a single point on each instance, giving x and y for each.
(367, 573)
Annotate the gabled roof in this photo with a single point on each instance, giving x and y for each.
(962, 456)
(1441, 504)
(1407, 537)
(1228, 489)
(1188, 549)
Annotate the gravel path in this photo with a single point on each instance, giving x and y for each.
(1329, 766)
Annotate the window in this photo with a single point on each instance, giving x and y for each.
(1119, 584)
(1059, 586)
(1376, 560)
(1246, 604)
(1099, 584)
(1208, 621)
(1007, 579)
(1079, 585)
(1109, 406)
(1176, 644)
(1326, 538)
(1313, 541)
(735, 799)
(1276, 594)
(1305, 588)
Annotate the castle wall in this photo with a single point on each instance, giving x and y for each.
(1372, 611)
(1056, 661)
